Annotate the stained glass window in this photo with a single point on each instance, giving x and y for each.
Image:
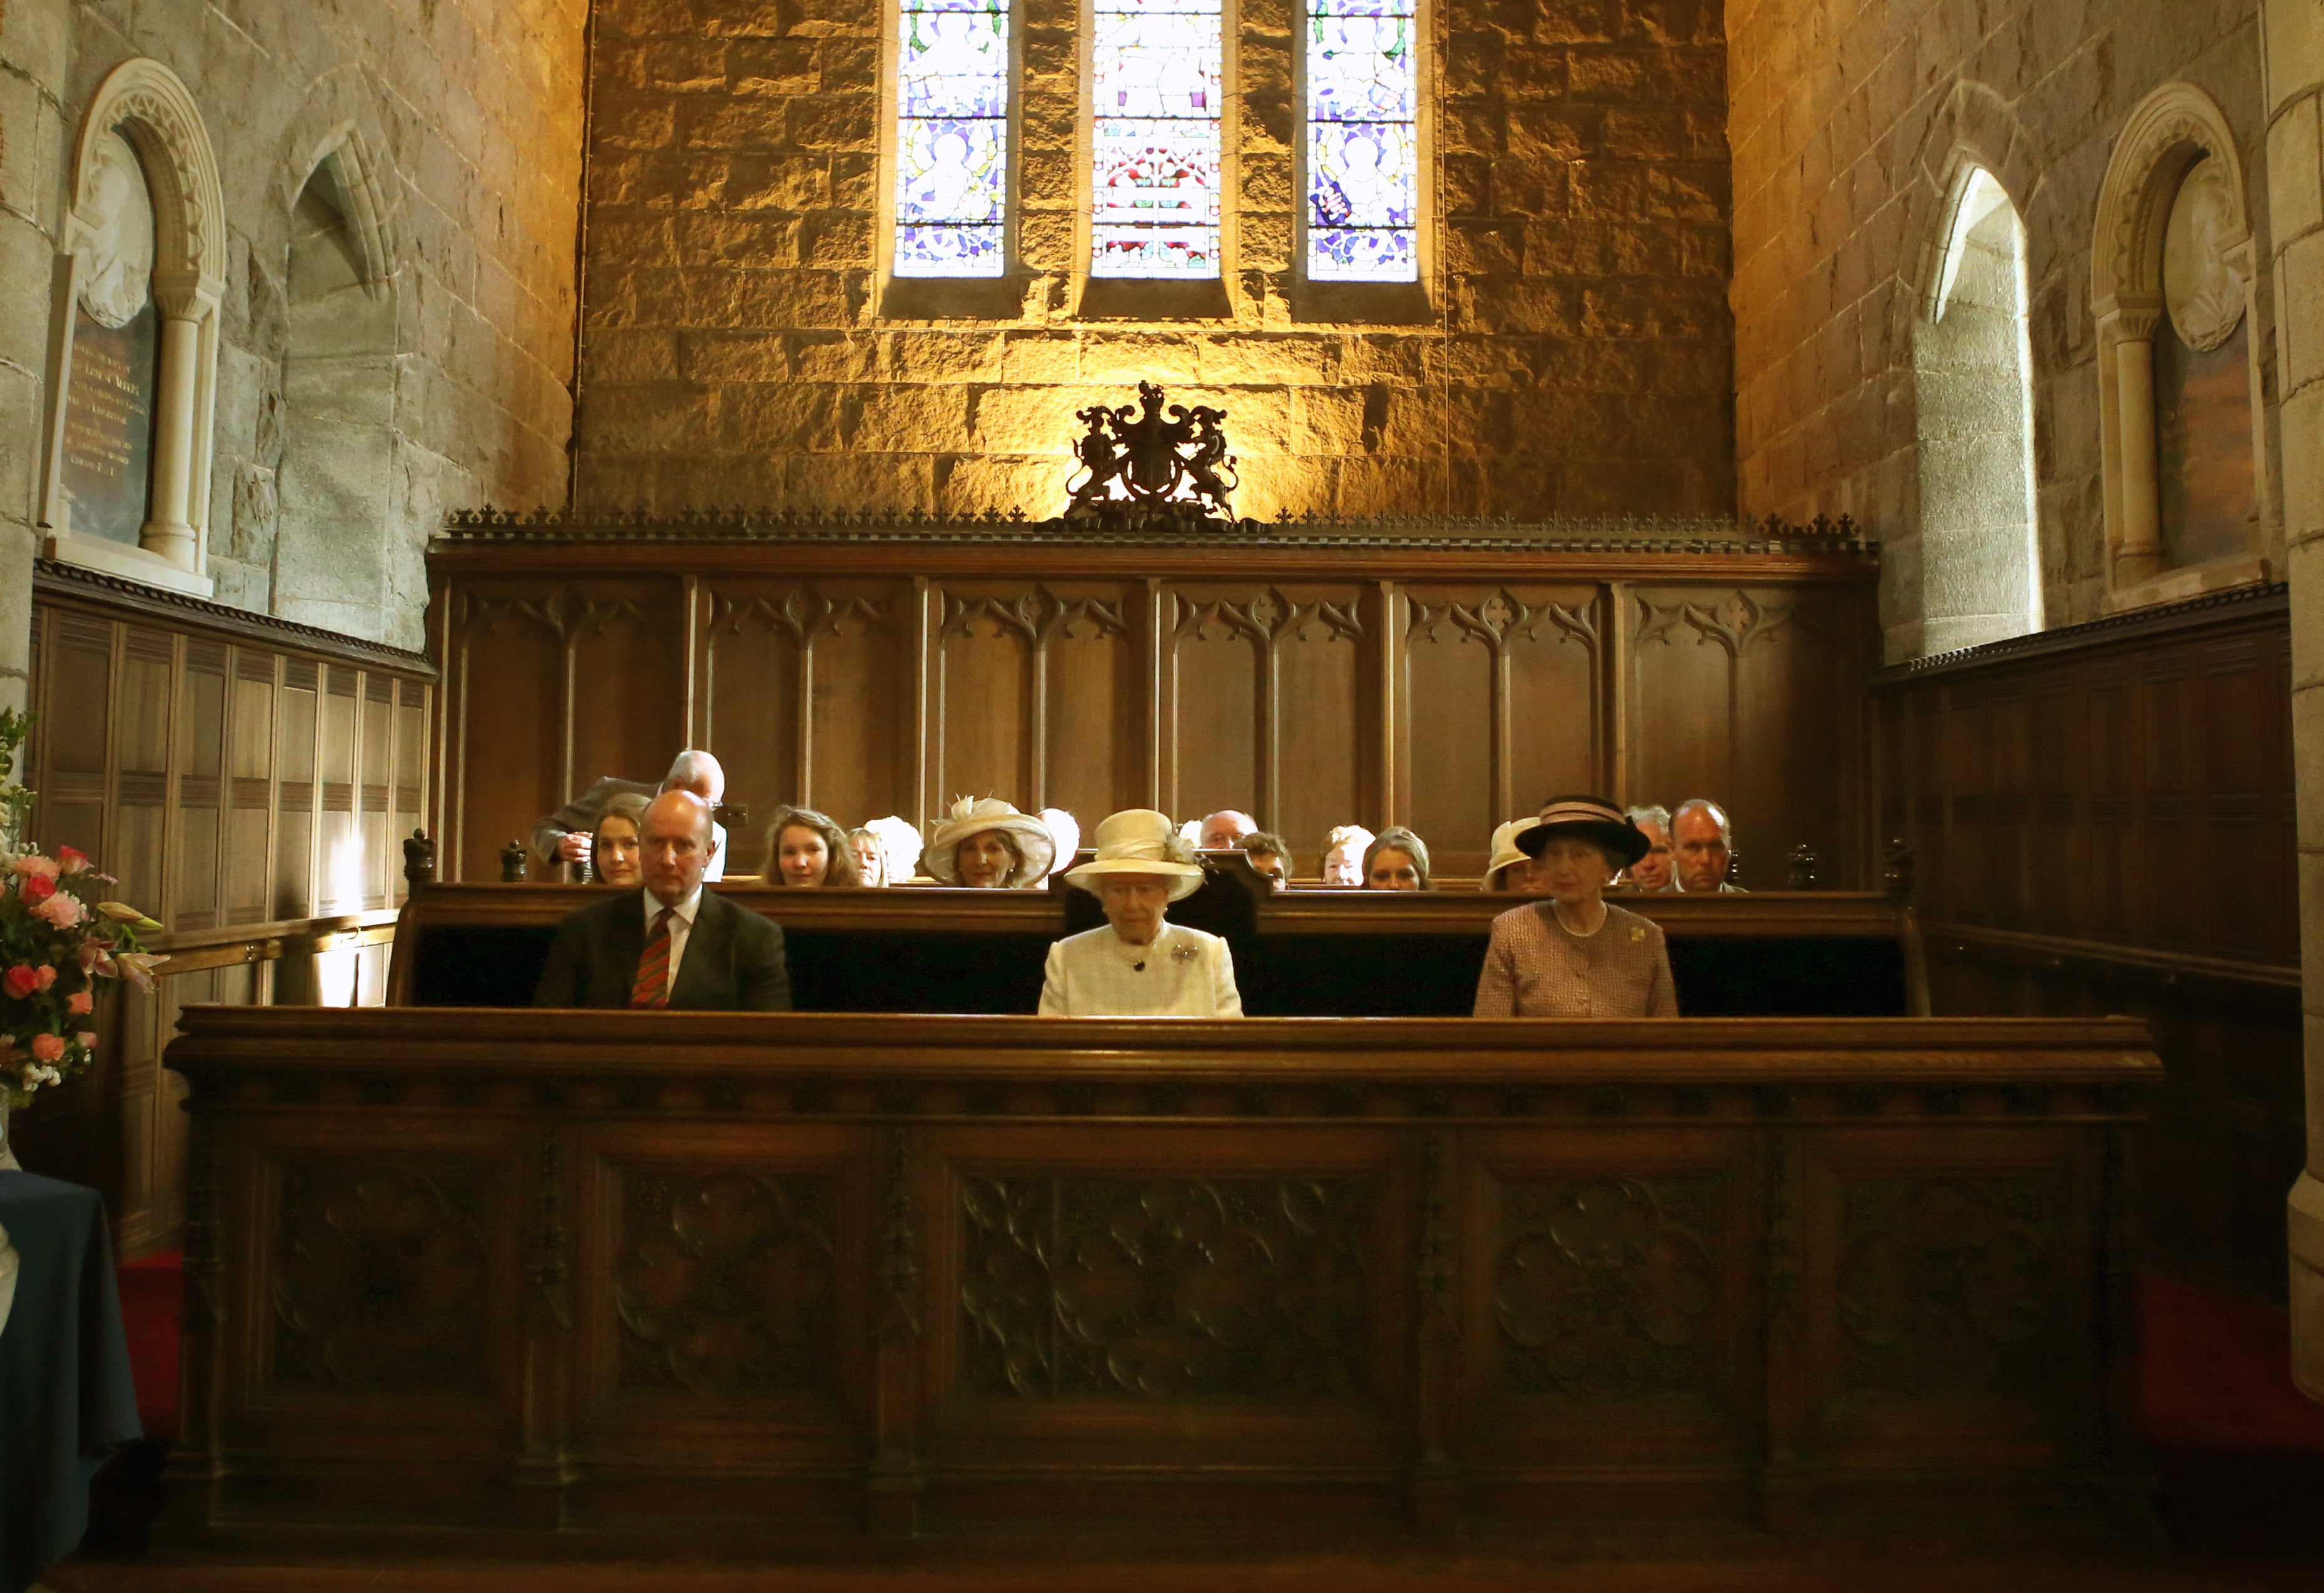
(952, 166)
(1363, 146)
(1154, 67)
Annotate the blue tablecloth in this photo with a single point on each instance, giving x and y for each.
(67, 1399)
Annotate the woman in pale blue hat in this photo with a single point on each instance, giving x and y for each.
(1140, 965)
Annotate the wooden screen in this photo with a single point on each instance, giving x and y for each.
(1338, 676)
(231, 771)
(2103, 822)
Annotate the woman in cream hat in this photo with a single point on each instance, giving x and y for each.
(1511, 870)
(1577, 955)
(988, 844)
(1139, 965)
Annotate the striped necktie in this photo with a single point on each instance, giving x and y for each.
(652, 987)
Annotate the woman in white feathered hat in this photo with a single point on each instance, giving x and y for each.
(988, 844)
(1139, 965)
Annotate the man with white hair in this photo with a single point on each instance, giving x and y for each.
(563, 837)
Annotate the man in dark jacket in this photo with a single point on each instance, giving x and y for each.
(671, 943)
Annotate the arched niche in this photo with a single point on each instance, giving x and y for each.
(2181, 408)
(143, 104)
(1978, 560)
(337, 492)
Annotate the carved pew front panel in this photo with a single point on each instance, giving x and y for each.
(746, 1282)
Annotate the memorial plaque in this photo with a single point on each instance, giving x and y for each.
(109, 426)
(108, 442)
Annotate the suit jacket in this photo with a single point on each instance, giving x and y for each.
(581, 814)
(734, 959)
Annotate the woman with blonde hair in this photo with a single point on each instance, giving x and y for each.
(987, 844)
(1343, 854)
(805, 851)
(1396, 860)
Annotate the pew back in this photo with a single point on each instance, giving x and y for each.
(1298, 953)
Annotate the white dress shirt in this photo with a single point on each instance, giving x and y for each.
(716, 868)
(1183, 973)
(681, 926)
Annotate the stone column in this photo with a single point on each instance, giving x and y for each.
(35, 38)
(2139, 556)
(177, 427)
(2294, 66)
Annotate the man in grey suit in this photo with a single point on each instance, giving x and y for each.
(564, 836)
(671, 943)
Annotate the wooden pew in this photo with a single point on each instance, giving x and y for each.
(1313, 953)
(745, 1284)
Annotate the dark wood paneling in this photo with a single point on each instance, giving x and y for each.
(2103, 820)
(685, 1278)
(177, 743)
(1311, 680)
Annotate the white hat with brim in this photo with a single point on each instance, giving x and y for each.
(1036, 849)
(1506, 849)
(1140, 841)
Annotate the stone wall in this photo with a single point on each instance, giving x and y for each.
(1573, 357)
(1843, 116)
(2295, 144)
(35, 48)
(464, 116)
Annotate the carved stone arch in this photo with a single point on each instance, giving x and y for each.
(339, 124)
(1975, 129)
(149, 107)
(2170, 131)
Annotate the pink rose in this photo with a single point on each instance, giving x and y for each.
(48, 1047)
(71, 860)
(21, 981)
(61, 911)
(87, 1039)
(37, 889)
(80, 1004)
(34, 866)
(42, 977)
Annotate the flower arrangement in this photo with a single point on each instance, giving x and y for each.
(57, 939)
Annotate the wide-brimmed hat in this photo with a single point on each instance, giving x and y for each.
(1140, 841)
(1037, 850)
(1586, 818)
(1506, 849)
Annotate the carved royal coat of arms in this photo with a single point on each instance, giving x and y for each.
(1149, 456)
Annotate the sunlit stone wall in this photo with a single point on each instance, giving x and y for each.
(1844, 118)
(1571, 356)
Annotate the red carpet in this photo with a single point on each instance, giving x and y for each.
(2215, 1372)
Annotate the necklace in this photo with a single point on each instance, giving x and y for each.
(1558, 909)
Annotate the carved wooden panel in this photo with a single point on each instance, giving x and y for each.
(178, 744)
(380, 1275)
(1501, 694)
(1605, 1287)
(727, 1283)
(2125, 794)
(1166, 1288)
(1273, 710)
(1947, 1286)
(1749, 697)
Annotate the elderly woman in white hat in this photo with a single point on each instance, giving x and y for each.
(1576, 955)
(1511, 870)
(989, 845)
(1139, 965)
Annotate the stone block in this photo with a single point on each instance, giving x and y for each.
(975, 483)
(937, 355)
(833, 120)
(908, 419)
(712, 358)
(1033, 420)
(1124, 359)
(778, 418)
(834, 239)
(1246, 358)
(793, 181)
(905, 482)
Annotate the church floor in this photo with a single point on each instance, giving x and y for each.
(2239, 1462)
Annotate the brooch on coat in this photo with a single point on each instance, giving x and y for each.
(1186, 953)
